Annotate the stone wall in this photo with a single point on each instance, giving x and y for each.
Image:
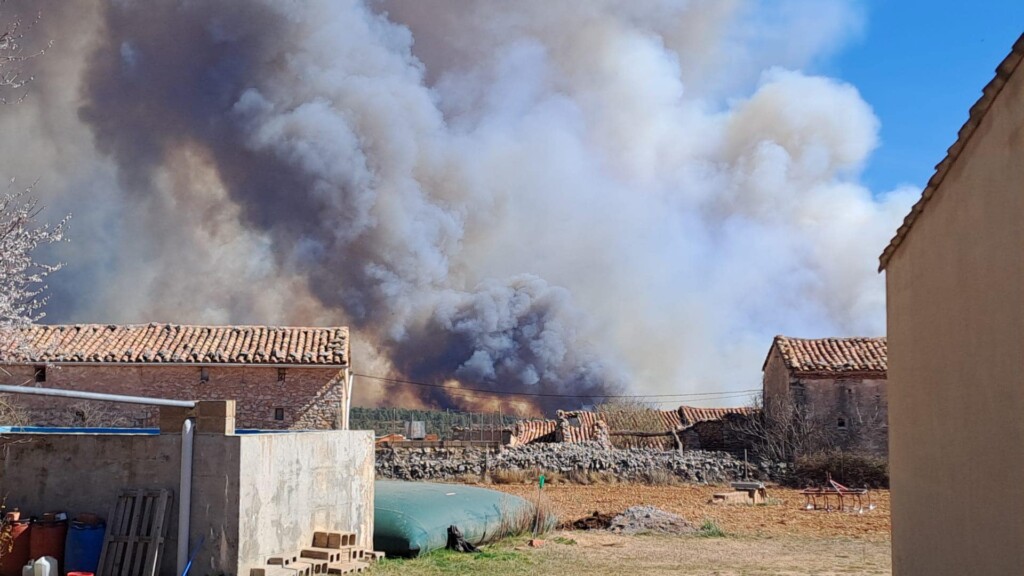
(308, 398)
(856, 410)
(637, 464)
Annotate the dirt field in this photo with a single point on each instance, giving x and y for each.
(777, 538)
(782, 516)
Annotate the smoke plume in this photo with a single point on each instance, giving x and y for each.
(579, 197)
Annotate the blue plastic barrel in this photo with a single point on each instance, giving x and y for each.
(84, 544)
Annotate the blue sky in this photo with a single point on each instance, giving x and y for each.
(921, 65)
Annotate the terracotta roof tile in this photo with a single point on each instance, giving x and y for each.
(826, 356)
(159, 343)
(692, 414)
(988, 95)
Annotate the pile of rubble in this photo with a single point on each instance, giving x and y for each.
(646, 519)
(634, 464)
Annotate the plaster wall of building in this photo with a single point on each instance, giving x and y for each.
(955, 288)
(252, 495)
(267, 397)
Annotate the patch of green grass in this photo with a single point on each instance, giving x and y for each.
(490, 560)
(564, 540)
(710, 529)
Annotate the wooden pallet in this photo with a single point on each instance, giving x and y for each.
(136, 530)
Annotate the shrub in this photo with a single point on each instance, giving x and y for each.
(710, 529)
(658, 477)
(538, 516)
(511, 476)
(850, 469)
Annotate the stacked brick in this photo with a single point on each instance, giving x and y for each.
(330, 553)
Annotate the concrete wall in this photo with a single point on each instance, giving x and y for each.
(311, 398)
(294, 485)
(252, 495)
(84, 473)
(955, 293)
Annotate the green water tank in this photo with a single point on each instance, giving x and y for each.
(412, 518)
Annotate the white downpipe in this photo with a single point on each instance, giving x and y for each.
(185, 493)
(349, 376)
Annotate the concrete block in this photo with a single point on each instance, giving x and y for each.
(322, 540)
(216, 408)
(271, 571)
(302, 568)
(318, 566)
(373, 555)
(347, 567)
(215, 425)
(172, 417)
(328, 554)
(340, 539)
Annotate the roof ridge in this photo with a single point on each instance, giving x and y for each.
(977, 113)
(173, 325)
(155, 343)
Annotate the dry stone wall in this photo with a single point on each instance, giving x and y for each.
(635, 464)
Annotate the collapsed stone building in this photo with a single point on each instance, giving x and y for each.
(684, 428)
(280, 377)
(839, 384)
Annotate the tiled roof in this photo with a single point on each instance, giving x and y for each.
(527, 431)
(826, 356)
(977, 113)
(170, 343)
(586, 428)
(692, 414)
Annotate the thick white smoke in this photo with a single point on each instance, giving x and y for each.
(570, 197)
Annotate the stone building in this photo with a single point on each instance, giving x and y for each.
(280, 377)
(954, 277)
(838, 383)
(687, 427)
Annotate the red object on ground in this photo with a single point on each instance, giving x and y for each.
(48, 538)
(20, 554)
(81, 574)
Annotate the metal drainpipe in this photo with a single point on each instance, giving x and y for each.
(96, 396)
(187, 436)
(185, 493)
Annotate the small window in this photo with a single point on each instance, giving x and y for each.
(574, 422)
(278, 413)
(281, 374)
(40, 373)
(204, 374)
(841, 424)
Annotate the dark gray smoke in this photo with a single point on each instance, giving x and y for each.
(575, 197)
